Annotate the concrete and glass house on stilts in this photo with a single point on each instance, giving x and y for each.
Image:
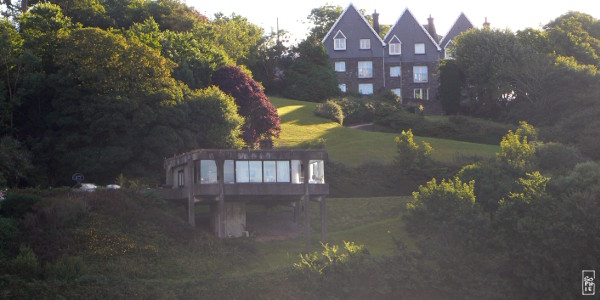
(227, 180)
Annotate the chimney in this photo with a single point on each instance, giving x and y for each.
(431, 29)
(376, 21)
(486, 25)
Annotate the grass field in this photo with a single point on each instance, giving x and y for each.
(354, 147)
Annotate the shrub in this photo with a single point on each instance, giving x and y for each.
(26, 264)
(411, 156)
(65, 268)
(16, 204)
(557, 157)
(330, 110)
(9, 231)
(516, 150)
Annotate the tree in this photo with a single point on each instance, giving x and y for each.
(262, 119)
(197, 57)
(323, 19)
(310, 77)
(11, 52)
(451, 82)
(238, 37)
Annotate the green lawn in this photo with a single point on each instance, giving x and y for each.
(354, 147)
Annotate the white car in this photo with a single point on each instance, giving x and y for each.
(113, 187)
(88, 187)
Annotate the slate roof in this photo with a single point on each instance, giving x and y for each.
(351, 6)
(462, 24)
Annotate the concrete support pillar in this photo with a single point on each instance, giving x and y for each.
(221, 230)
(306, 205)
(296, 211)
(189, 184)
(323, 219)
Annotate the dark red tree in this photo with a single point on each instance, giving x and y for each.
(262, 119)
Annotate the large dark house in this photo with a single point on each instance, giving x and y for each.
(405, 61)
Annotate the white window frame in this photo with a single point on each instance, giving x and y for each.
(395, 46)
(365, 44)
(395, 74)
(423, 94)
(420, 77)
(365, 69)
(397, 92)
(448, 50)
(419, 48)
(367, 86)
(340, 66)
(339, 41)
(342, 87)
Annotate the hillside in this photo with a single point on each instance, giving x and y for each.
(354, 147)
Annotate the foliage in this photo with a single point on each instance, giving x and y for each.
(330, 258)
(556, 157)
(518, 148)
(18, 204)
(330, 110)
(15, 162)
(9, 231)
(262, 120)
(65, 268)
(238, 37)
(409, 155)
(451, 81)
(26, 264)
(310, 77)
(435, 206)
(323, 19)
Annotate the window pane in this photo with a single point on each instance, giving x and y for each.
(228, 175)
(242, 171)
(420, 74)
(365, 88)
(208, 171)
(180, 178)
(297, 176)
(395, 48)
(340, 66)
(419, 48)
(283, 171)
(365, 69)
(365, 44)
(395, 71)
(270, 171)
(342, 87)
(255, 170)
(316, 171)
(397, 92)
(339, 44)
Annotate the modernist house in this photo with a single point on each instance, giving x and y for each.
(405, 61)
(227, 180)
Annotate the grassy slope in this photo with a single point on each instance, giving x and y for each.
(353, 147)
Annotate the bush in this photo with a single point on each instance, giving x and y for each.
(26, 264)
(517, 148)
(65, 268)
(16, 204)
(557, 157)
(330, 110)
(9, 231)
(411, 156)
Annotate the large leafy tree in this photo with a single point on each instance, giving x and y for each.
(323, 18)
(262, 119)
(238, 37)
(311, 77)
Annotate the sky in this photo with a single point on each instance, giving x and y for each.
(503, 14)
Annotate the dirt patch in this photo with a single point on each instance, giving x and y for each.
(365, 127)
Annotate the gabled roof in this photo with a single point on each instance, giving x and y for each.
(407, 11)
(462, 24)
(362, 17)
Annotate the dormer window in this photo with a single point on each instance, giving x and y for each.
(419, 48)
(365, 44)
(339, 41)
(395, 46)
